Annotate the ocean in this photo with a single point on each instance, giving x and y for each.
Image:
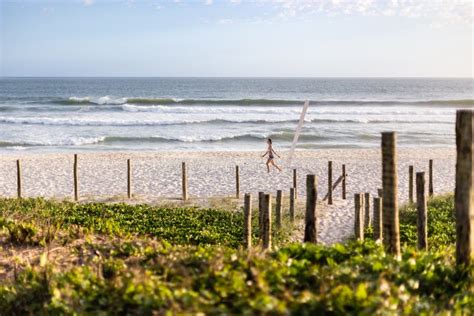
(226, 114)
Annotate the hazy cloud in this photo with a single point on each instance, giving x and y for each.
(442, 11)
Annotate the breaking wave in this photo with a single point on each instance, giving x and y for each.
(275, 102)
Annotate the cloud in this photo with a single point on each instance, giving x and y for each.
(441, 12)
(225, 21)
(87, 2)
(208, 2)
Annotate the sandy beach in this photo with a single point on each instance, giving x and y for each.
(157, 177)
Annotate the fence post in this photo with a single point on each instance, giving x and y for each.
(237, 182)
(378, 225)
(431, 189)
(464, 194)
(391, 228)
(410, 184)
(367, 219)
(310, 233)
(422, 215)
(278, 208)
(295, 183)
(184, 181)
(76, 179)
(129, 179)
(247, 221)
(343, 181)
(329, 182)
(359, 216)
(260, 214)
(292, 204)
(267, 222)
(18, 178)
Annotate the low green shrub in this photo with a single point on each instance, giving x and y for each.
(138, 278)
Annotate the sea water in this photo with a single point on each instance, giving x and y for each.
(221, 114)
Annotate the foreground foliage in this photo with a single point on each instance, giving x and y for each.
(119, 259)
(136, 277)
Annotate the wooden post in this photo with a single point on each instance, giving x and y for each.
(464, 194)
(380, 192)
(292, 204)
(248, 221)
(367, 219)
(431, 190)
(237, 182)
(421, 208)
(295, 183)
(76, 179)
(378, 225)
(18, 177)
(278, 208)
(391, 228)
(344, 182)
(184, 181)
(359, 216)
(329, 182)
(129, 179)
(267, 222)
(410, 184)
(260, 214)
(310, 233)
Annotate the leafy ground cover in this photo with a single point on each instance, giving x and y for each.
(113, 259)
(25, 219)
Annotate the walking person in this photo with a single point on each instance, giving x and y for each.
(271, 152)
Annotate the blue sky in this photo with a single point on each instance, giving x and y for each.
(296, 38)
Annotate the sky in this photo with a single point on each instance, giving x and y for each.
(232, 38)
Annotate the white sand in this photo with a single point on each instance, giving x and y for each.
(157, 176)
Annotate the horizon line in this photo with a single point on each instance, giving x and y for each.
(242, 77)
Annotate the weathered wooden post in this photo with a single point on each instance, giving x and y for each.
(129, 179)
(367, 219)
(267, 222)
(391, 228)
(260, 214)
(329, 182)
(431, 189)
(310, 233)
(18, 178)
(295, 183)
(76, 179)
(410, 184)
(359, 216)
(421, 208)
(184, 181)
(378, 225)
(247, 221)
(464, 194)
(278, 208)
(292, 204)
(380, 192)
(344, 182)
(237, 182)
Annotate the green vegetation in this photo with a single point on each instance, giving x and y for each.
(176, 225)
(441, 223)
(120, 259)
